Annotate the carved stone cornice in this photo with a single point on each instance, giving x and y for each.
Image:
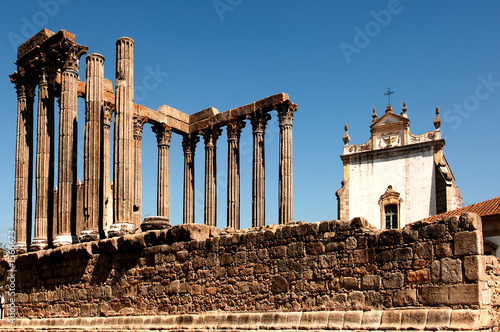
(286, 112)
(210, 135)
(259, 120)
(234, 128)
(163, 134)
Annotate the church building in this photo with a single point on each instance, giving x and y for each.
(396, 177)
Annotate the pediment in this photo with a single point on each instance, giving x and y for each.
(389, 119)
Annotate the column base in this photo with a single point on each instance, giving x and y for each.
(121, 229)
(20, 248)
(155, 223)
(89, 235)
(39, 244)
(64, 240)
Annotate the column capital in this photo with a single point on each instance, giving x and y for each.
(107, 113)
(70, 55)
(210, 135)
(259, 120)
(189, 142)
(24, 83)
(234, 128)
(163, 134)
(139, 122)
(286, 112)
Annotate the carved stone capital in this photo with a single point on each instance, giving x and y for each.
(286, 112)
(234, 128)
(210, 136)
(163, 134)
(107, 114)
(71, 54)
(259, 121)
(139, 122)
(189, 142)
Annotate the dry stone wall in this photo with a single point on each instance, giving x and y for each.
(324, 266)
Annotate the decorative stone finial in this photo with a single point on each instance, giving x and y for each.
(404, 110)
(389, 109)
(374, 115)
(346, 137)
(437, 120)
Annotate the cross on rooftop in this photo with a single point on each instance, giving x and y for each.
(388, 94)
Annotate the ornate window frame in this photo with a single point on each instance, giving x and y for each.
(390, 197)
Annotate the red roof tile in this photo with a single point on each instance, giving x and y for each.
(486, 208)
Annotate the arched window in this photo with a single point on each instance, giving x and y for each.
(390, 204)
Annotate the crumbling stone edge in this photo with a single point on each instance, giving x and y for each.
(389, 319)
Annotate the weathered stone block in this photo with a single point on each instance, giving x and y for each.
(406, 297)
(393, 280)
(438, 319)
(373, 299)
(293, 319)
(351, 243)
(424, 251)
(414, 319)
(391, 237)
(226, 259)
(421, 276)
(371, 319)
(356, 296)
(189, 232)
(475, 268)
(471, 221)
(435, 271)
(371, 282)
(353, 319)
(335, 320)
(468, 243)
(277, 252)
(468, 294)
(351, 283)
(315, 248)
(443, 250)
(451, 271)
(280, 285)
(403, 254)
(465, 320)
(433, 295)
(296, 249)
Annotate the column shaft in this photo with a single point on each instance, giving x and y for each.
(23, 185)
(123, 160)
(94, 101)
(163, 136)
(285, 116)
(259, 121)
(210, 136)
(233, 173)
(45, 154)
(189, 144)
(107, 195)
(137, 211)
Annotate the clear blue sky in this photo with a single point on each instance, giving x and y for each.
(334, 58)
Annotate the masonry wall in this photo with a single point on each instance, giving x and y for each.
(194, 268)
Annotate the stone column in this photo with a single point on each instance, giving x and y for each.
(233, 172)
(285, 196)
(23, 185)
(106, 193)
(123, 156)
(210, 136)
(137, 211)
(259, 121)
(163, 136)
(188, 145)
(68, 142)
(45, 157)
(94, 101)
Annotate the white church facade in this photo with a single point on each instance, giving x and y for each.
(396, 177)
